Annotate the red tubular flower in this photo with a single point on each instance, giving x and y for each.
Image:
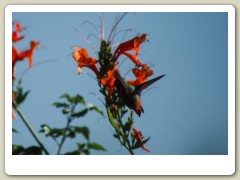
(14, 56)
(138, 136)
(109, 81)
(141, 75)
(133, 44)
(14, 61)
(15, 35)
(134, 58)
(29, 53)
(83, 60)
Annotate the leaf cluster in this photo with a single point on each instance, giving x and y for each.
(20, 150)
(73, 107)
(19, 95)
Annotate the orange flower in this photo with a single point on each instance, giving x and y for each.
(133, 44)
(109, 81)
(83, 60)
(15, 35)
(134, 58)
(28, 53)
(138, 136)
(141, 75)
(14, 55)
(14, 61)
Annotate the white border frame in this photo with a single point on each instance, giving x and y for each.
(121, 164)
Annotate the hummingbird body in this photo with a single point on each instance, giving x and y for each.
(131, 95)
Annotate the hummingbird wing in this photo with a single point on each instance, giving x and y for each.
(120, 83)
(142, 86)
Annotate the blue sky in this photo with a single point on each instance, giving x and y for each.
(185, 114)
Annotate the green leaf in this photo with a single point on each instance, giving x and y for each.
(20, 150)
(86, 151)
(80, 146)
(76, 152)
(82, 130)
(80, 113)
(17, 149)
(33, 150)
(20, 96)
(55, 132)
(116, 136)
(86, 110)
(71, 133)
(15, 131)
(59, 104)
(74, 99)
(95, 108)
(123, 112)
(24, 96)
(139, 143)
(66, 96)
(80, 99)
(96, 147)
(128, 125)
(112, 120)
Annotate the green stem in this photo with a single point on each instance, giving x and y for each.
(129, 147)
(55, 140)
(125, 136)
(31, 130)
(64, 137)
(69, 120)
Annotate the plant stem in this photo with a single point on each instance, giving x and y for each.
(129, 147)
(55, 140)
(31, 130)
(125, 135)
(69, 120)
(63, 138)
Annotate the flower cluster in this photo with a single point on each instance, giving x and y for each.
(108, 64)
(118, 92)
(20, 56)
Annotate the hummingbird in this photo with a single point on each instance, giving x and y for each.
(131, 95)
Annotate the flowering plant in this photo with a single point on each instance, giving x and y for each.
(120, 95)
(70, 108)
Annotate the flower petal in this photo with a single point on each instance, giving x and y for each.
(133, 44)
(83, 60)
(141, 75)
(134, 58)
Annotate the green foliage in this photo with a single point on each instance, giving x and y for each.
(14, 130)
(106, 59)
(85, 149)
(72, 101)
(81, 130)
(138, 144)
(117, 111)
(96, 146)
(71, 109)
(19, 95)
(20, 150)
